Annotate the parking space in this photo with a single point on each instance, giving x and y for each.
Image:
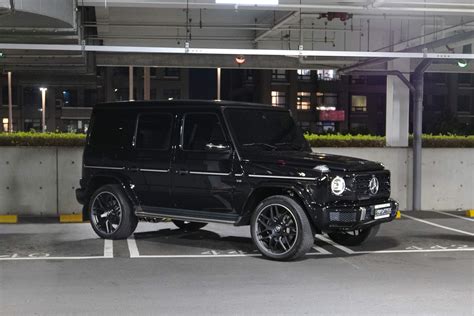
(415, 232)
(51, 241)
(411, 267)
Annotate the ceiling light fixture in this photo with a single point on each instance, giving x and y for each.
(248, 2)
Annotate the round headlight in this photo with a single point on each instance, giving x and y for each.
(338, 185)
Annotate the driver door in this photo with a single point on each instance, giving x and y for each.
(202, 169)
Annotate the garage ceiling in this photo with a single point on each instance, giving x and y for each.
(363, 26)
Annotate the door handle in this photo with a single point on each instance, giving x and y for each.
(134, 169)
(182, 172)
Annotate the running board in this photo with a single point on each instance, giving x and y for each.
(188, 215)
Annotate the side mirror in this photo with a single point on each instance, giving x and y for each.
(221, 148)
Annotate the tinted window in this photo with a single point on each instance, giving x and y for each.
(112, 128)
(202, 129)
(265, 130)
(154, 131)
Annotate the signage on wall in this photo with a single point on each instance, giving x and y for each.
(332, 116)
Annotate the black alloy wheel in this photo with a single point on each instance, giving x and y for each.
(280, 229)
(111, 213)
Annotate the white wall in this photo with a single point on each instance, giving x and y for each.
(41, 181)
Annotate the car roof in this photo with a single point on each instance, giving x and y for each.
(183, 103)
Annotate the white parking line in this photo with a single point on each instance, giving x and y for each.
(437, 225)
(108, 248)
(416, 250)
(332, 243)
(321, 250)
(454, 215)
(132, 247)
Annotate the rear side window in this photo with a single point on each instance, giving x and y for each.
(154, 131)
(200, 130)
(112, 128)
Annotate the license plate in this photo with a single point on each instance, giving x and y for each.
(382, 211)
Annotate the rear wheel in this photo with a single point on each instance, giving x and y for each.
(111, 213)
(355, 237)
(188, 226)
(280, 229)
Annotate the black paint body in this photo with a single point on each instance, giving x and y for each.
(226, 185)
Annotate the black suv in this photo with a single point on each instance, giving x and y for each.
(196, 162)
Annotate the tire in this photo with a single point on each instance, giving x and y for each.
(354, 238)
(188, 226)
(280, 229)
(111, 213)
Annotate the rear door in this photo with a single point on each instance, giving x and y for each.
(202, 177)
(153, 152)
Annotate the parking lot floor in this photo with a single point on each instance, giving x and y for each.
(420, 264)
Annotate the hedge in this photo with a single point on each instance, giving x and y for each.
(330, 140)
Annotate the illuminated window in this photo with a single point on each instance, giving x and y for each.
(304, 74)
(5, 124)
(303, 101)
(279, 98)
(359, 103)
(326, 74)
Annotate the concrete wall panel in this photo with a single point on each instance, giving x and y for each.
(41, 181)
(28, 181)
(69, 173)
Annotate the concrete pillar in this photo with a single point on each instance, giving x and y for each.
(130, 83)
(452, 84)
(109, 89)
(264, 86)
(293, 92)
(10, 103)
(219, 75)
(146, 83)
(398, 106)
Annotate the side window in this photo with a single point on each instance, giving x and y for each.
(154, 131)
(200, 130)
(112, 128)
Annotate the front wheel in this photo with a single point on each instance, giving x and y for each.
(280, 229)
(111, 213)
(355, 237)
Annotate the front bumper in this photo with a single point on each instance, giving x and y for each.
(352, 216)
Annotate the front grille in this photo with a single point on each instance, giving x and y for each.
(361, 185)
(342, 216)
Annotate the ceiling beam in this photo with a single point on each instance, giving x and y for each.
(285, 20)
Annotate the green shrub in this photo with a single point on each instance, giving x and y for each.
(42, 139)
(428, 141)
(331, 140)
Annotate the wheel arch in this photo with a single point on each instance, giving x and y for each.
(100, 180)
(270, 189)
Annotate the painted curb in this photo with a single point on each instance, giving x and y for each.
(399, 215)
(70, 218)
(470, 213)
(8, 219)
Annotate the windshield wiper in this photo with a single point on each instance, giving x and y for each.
(265, 145)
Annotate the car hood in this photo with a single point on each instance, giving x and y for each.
(311, 160)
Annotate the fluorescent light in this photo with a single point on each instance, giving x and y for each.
(462, 63)
(248, 2)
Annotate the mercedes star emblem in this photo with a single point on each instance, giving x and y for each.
(373, 185)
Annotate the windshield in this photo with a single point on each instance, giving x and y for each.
(265, 130)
